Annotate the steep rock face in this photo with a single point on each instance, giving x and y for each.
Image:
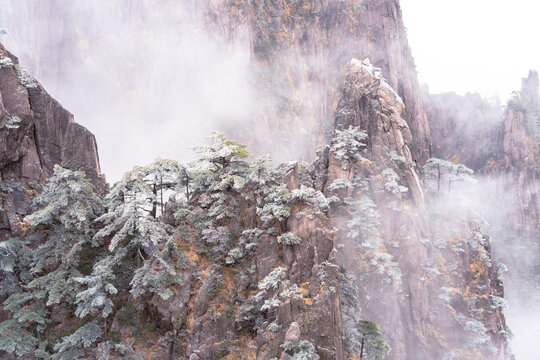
(519, 156)
(299, 52)
(386, 240)
(515, 172)
(369, 103)
(304, 48)
(35, 134)
(502, 145)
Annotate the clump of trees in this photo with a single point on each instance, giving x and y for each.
(83, 255)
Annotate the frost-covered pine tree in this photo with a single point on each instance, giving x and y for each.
(220, 172)
(347, 145)
(364, 226)
(372, 345)
(67, 208)
(438, 173)
(133, 234)
(163, 175)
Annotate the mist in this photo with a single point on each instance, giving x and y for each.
(145, 78)
(495, 210)
(487, 50)
(152, 79)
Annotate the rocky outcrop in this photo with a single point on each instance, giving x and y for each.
(247, 307)
(517, 179)
(369, 103)
(36, 133)
(387, 240)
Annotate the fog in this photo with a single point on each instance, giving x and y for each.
(144, 78)
(150, 81)
(480, 46)
(497, 206)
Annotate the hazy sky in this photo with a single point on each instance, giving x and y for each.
(483, 46)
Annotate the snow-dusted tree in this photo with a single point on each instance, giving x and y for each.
(372, 345)
(347, 145)
(159, 272)
(220, 172)
(129, 221)
(70, 346)
(262, 172)
(391, 184)
(64, 219)
(223, 160)
(131, 231)
(301, 350)
(272, 205)
(350, 310)
(365, 221)
(289, 238)
(15, 264)
(440, 172)
(164, 175)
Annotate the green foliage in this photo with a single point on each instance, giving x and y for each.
(348, 144)
(301, 350)
(413, 145)
(46, 275)
(289, 238)
(69, 348)
(372, 345)
(440, 173)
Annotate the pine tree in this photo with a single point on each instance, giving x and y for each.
(442, 172)
(46, 275)
(348, 144)
(220, 173)
(372, 345)
(132, 231)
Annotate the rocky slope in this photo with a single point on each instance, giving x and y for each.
(423, 283)
(304, 47)
(35, 134)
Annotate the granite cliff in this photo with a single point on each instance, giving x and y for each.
(252, 261)
(36, 134)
